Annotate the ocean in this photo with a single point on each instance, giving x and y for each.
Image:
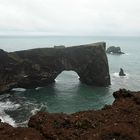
(67, 94)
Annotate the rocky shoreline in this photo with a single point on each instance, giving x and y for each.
(119, 121)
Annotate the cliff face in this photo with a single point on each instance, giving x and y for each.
(120, 121)
(40, 67)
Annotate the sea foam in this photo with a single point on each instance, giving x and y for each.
(8, 105)
(116, 74)
(19, 89)
(36, 109)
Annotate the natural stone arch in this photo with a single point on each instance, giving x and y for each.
(40, 67)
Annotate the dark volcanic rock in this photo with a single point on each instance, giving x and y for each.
(7, 132)
(121, 73)
(117, 122)
(114, 50)
(40, 67)
(122, 93)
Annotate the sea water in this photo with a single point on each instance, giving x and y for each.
(67, 94)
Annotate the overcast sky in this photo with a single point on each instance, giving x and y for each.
(70, 17)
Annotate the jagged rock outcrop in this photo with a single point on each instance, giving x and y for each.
(114, 50)
(40, 67)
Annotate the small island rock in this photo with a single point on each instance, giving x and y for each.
(114, 50)
(121, 73)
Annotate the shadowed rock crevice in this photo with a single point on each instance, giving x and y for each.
(40, 67)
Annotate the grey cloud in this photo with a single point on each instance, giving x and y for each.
(70, 17)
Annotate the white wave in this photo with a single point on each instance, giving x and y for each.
(23, 124)
(116, 74)
(37, 109)
(8, 105)
(38, 88)
(5, 117)
(127, 53)
(56, 80)
(19, 89)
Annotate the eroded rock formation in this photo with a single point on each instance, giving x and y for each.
(119, 121)
(40, 67)
(114, 50)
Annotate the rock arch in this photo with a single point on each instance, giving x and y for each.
(39, 67)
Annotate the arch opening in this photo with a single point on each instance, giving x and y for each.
(66, 83)
(67, 76)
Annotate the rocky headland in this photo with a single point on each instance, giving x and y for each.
(119, 121)
(39, 67)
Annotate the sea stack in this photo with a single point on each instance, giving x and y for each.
(121, 73)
